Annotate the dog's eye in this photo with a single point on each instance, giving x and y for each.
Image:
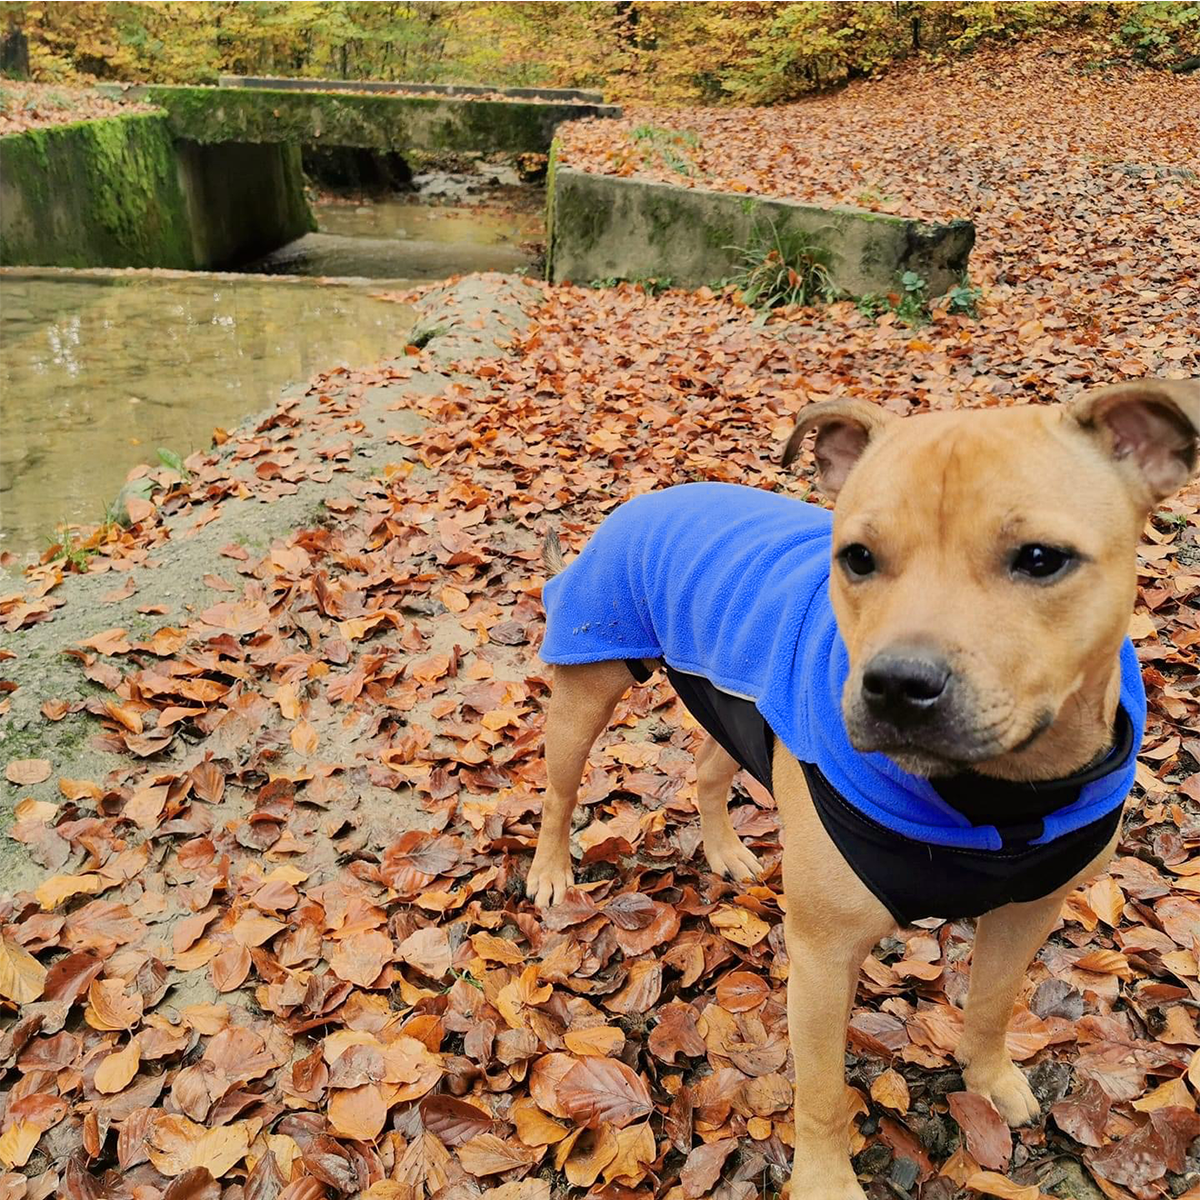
(858, 559)
(1041, 562)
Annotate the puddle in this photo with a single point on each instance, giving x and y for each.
(97, 373)
(403, 238)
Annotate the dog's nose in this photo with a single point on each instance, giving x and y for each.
(904, 687)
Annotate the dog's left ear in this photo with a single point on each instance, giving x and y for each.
(1151, 426)
(844, 427)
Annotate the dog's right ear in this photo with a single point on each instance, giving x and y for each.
(844, 427)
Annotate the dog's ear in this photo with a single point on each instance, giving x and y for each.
(844, 427)
(1151, 426)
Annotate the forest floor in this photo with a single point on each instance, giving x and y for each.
(274, 766)
(35, 105)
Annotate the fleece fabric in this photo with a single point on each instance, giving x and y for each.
(731, 583)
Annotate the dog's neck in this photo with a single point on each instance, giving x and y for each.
(1080, 735)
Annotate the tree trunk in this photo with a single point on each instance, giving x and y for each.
(14, 53)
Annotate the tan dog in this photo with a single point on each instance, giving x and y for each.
(941, 501)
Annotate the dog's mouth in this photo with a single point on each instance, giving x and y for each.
(931, 753)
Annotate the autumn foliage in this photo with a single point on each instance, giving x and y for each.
(283, 950)
(746, 51)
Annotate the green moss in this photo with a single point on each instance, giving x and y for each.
(579, 221)
(93, 193)
(378, 122)
(551, 173)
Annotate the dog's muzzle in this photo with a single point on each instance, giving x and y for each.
(910, 703)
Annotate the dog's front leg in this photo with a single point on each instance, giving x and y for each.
(823, 963)
(1006, 939)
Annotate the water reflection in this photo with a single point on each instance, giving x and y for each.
(400, 238)
(95, 375)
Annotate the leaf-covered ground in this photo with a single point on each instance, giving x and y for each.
(281, 950)
(35, 105)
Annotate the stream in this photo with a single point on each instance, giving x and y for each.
(101, 369)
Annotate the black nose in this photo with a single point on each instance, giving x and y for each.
(904, 687)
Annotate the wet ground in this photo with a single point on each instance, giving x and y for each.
(96, 374)
(399, 237)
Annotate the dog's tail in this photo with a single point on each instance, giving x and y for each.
(552, 554)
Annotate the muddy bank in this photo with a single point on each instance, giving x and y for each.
(295, 467)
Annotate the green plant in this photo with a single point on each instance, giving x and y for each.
(652, 285)
(873, 195)
(670, 146)
(779, 268)
(65, 550)
(169, 458)
(964, 299)
(910, 302)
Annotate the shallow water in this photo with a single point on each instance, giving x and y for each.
(401, 238)
(96, 375)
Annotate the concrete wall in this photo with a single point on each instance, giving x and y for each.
(433, 89)
(377, 122)
(603, 226)
(123, 192)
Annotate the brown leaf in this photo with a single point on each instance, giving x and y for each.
(600, 1091)
(741, 991)
(428, 950)
(230, 968)
(989, 1140)
(487, 1154)
(27, 771)
(360, 958)
(891, 1090)
(703, 1167)
(196, 1184)
(111, 1006)
(641, 991)
(603, 1041)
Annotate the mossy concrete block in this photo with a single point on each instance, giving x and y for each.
(605, 226)
(94, 193)
(124, 192)
(378, 122)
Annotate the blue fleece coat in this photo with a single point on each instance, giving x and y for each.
(732, 583)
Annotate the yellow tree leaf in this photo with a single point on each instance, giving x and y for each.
(22, 977)
(17, 1144)
(304, 738)
(358, 1112)
(118, 1069)
(601, 1041)
(52, 892)
(890, 1090)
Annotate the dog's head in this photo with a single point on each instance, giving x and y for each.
(983, 572)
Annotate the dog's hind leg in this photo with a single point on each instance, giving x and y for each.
(581, 704)
(725, 851)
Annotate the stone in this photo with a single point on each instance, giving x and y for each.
(611, 227)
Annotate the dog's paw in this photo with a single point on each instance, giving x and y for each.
(547, 882)
(733, 859)
(1008, 1089)
(840, 1185)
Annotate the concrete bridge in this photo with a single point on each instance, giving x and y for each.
(315, 113)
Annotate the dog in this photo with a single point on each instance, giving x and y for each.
(948, 649)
